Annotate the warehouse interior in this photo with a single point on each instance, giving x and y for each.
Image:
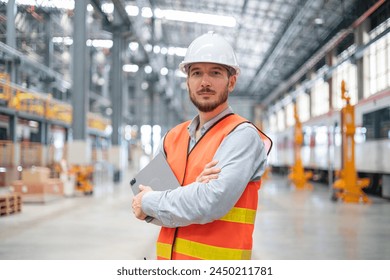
(88, 88)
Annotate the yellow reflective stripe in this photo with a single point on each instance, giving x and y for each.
(164, 250)
(240, 215)
(208, 252)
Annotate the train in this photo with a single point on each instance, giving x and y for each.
(321, 151)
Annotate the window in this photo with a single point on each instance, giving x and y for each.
(303, 103)
(281, 119)
(320, 98)
(379, 60)
(377, 124)
(290, 120)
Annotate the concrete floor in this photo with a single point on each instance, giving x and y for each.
(290, 224)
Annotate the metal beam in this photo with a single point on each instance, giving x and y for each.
(97, 6)
(339, 37)
(243, 11)
(279, 44)
(120, 8)
(13, 53)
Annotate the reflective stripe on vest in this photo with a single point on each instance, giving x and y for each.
(208, 252)
(164, 250)
(240, 215)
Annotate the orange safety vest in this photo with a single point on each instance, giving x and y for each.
(230, 237)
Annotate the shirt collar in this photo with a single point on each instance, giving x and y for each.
(195, 122)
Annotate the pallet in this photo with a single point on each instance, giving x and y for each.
(10, 203)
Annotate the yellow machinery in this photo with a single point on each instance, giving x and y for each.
(28, 102)
(298, 175)
(57, 110)
(5, 89)
(83, 175)
(96, 121)
(40, 104)
(349, 187)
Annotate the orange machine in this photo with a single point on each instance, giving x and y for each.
(298, 175)
(349, 187)
(83, 178)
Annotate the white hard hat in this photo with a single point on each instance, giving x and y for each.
(210, 48)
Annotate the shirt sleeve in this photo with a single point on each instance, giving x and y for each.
(241, 157)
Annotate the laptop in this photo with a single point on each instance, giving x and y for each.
(157, 174)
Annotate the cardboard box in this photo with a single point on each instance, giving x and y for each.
(40, 192)
(8, 175)
(35, 175)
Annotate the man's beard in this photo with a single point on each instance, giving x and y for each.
(206, 106)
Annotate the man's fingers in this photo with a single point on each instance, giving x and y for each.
(211, 163)
(209, 171)
(144, 188)
(207, 178)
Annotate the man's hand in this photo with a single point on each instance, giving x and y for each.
(137, 202)
(209, 172)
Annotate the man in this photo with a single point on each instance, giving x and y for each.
(218, 157)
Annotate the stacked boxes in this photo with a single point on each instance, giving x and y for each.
(36, 186)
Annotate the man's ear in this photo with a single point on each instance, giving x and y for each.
(232, 83)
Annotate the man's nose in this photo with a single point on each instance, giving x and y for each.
(205, 80)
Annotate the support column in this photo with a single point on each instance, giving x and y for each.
(11, 38)
(44, 140)
(362, 63)
(117, 153)
(48, 56)
(79, 147)
(13, 121)
(11, 31)
(48, 41)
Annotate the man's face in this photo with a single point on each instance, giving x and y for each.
(209, 85)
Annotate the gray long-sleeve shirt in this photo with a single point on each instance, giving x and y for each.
(241, 157)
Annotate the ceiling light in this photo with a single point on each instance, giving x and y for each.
(148, 47)
(97, 43)
(177, 51)
(131, 68)
(195, 17)
(148, 69)
(156, 49)
(164, 71)
(67, 41)
(108, 8)
(164, 50)
(147, 12)
(133, 46)
(132, 10)
(319, 21)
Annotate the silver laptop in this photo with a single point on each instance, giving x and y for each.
(157, 174)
